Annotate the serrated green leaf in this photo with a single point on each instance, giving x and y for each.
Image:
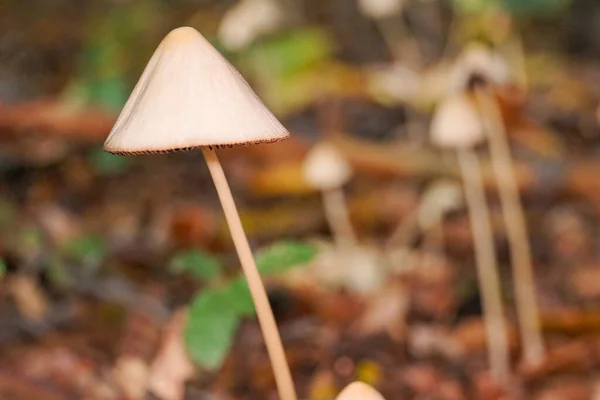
(210, 328)
(196, 262)
(2, 268)
(85, 248)
(284, 255)
(238, 297)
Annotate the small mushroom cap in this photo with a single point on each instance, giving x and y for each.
(325, 168)
(378, 9)
(441, 197)
(247, 20)
(190, 96)
(456, 123)
(359, 391)
(479, 60)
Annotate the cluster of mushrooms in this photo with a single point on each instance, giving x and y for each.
(189, 96)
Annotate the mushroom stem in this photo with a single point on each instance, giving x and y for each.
(406, 231)
(487, 270)
(338, 217)
(281, 370)
(532, 342)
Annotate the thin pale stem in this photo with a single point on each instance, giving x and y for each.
(338, 218)
(433, 243)
(406, 231)
(281, 370)
(393, 31)
(487, 270)
(514, 218)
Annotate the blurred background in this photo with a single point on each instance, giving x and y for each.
(118, 273)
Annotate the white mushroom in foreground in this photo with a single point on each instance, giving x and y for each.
(359, 391)
(327, 170)
(189, 96)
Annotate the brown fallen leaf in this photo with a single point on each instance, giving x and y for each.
(29, 298)
(131, 374)
(171, 368)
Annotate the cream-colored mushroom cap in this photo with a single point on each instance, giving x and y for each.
(190, 96)
(359, 391)
(377, 9)
(456, 123)
(477, 59)
(325, 168)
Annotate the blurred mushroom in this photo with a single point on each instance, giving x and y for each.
(247, 20)
(190, 97)
(457, 126)
(359, 391)
(327, 170)
(516, 228)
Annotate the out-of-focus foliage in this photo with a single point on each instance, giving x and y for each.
(216, 312)
(86, 249)
(108, 164)
(522, 7)
(212, 323)
(198, 263)
(283, 255)
(107, 57)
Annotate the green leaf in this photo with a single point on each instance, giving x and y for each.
(210, 329)
(284, 255)
(196, 262)
(86, 248)
(108, 164)
(2, 268)
(522, 7)
(290, 52)
(238, 297)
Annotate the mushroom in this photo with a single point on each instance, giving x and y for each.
(480, 61)
(359, 391)
(247, 20)
(326, 169)
(457, 126)
(387, 15)
(440, 198)
(532, 341)
(190, 97)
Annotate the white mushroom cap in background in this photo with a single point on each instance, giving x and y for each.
(359, 391)
(441, 197)
(378, 9)
(190, 96)
(247, 20)
(478, 59)
(456, 123)
(325, 168)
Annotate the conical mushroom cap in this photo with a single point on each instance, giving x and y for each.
(325, 168)
(190, 96)
(456, 123)
(359, 391)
